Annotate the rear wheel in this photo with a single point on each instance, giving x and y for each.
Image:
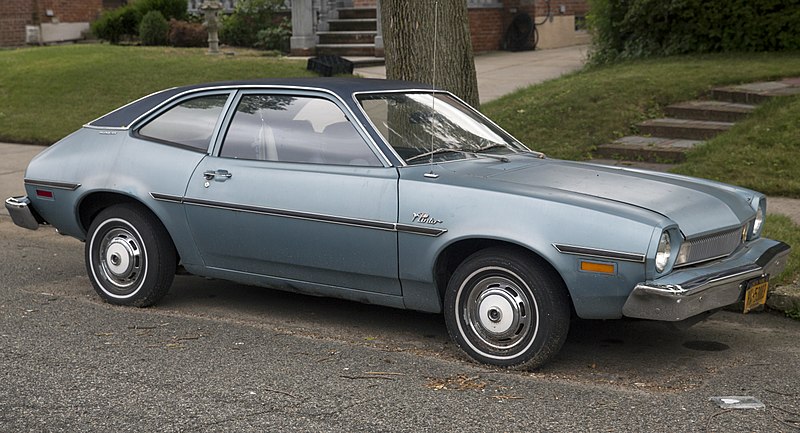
(130, 258)
(503, 307)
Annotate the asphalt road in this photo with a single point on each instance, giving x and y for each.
(217, 356)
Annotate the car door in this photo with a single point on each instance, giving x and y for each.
(294, 192)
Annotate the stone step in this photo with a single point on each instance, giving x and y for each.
(345, 50)
(353, 25)
(710, 110)
(357, 13)
(647, 149)
(683, 129)
(756, 93)
(327, 38)
(366, 61)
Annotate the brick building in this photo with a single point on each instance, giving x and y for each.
(45, 21)
(352, 27)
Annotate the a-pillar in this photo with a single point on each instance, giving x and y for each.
(303, 41)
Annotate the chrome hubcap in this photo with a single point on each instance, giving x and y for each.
(121, 258)
(499, 312)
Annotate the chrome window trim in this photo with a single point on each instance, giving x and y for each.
(308, 216)
(339, 102)
(237, 88)
(599, 253)
(51, 184)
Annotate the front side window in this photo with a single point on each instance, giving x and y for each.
(190, 123)
(294, 129)
(420, 129)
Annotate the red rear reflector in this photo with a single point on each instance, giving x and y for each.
(43, 193)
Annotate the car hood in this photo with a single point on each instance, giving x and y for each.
(697, 206)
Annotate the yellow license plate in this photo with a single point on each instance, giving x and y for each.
(756, 293)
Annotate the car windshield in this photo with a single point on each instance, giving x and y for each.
(421, 130)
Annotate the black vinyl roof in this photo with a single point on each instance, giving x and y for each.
(344, 87)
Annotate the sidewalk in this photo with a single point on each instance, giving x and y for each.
(502, 72)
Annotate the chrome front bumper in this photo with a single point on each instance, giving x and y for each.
(691, 291)
(21, 212)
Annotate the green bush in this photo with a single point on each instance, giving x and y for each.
(250, 16)
(116, 24)
(187, 34)
(123, 22)
(625, 29)
(275, 37)
(153, 29)
(169, 8)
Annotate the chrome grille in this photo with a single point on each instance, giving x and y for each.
(709, 247)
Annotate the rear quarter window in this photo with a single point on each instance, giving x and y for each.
(189, 123)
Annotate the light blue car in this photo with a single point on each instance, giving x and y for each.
(390, 193)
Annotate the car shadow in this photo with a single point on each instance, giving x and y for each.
(635, 353)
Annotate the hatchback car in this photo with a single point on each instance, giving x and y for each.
(396, 194)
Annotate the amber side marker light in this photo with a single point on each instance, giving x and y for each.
(603, 268)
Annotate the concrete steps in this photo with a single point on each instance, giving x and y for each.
(718, 111)
(352, 34)
(690, 123)
(650, 149)
(687, 129)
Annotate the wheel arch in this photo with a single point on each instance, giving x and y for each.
(95, 202)
(454, 254)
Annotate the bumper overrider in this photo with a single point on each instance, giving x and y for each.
(22, 213)
(691, 291)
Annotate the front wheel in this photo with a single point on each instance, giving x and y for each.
(130, 258)
(503, 307)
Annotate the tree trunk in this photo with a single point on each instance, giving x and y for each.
(409, 37)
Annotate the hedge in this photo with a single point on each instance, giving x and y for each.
(625, 29)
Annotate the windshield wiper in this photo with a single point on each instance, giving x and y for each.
(438, 151)
(463, 152)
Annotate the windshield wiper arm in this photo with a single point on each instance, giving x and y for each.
(436, 152)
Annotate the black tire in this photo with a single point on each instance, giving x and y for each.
(129, 256)
(503, 307)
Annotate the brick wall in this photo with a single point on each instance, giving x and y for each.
(486, 28)
(71, 11)
(14, 15)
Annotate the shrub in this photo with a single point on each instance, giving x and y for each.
(250, 16)
(115, 24)
(186, 34)
(645, 28)
(169, 8)
(275, 37)
(153, 29)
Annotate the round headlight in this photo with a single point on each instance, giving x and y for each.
(663, 252)
(759, 222)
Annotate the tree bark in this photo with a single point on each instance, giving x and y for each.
(409, 38)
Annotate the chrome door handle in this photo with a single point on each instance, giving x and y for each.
(218, 175)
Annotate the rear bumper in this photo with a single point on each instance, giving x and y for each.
(22, 214)
(689, 292)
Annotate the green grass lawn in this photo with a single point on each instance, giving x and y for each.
(46, 93)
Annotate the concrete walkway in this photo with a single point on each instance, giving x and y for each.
(502, 72)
